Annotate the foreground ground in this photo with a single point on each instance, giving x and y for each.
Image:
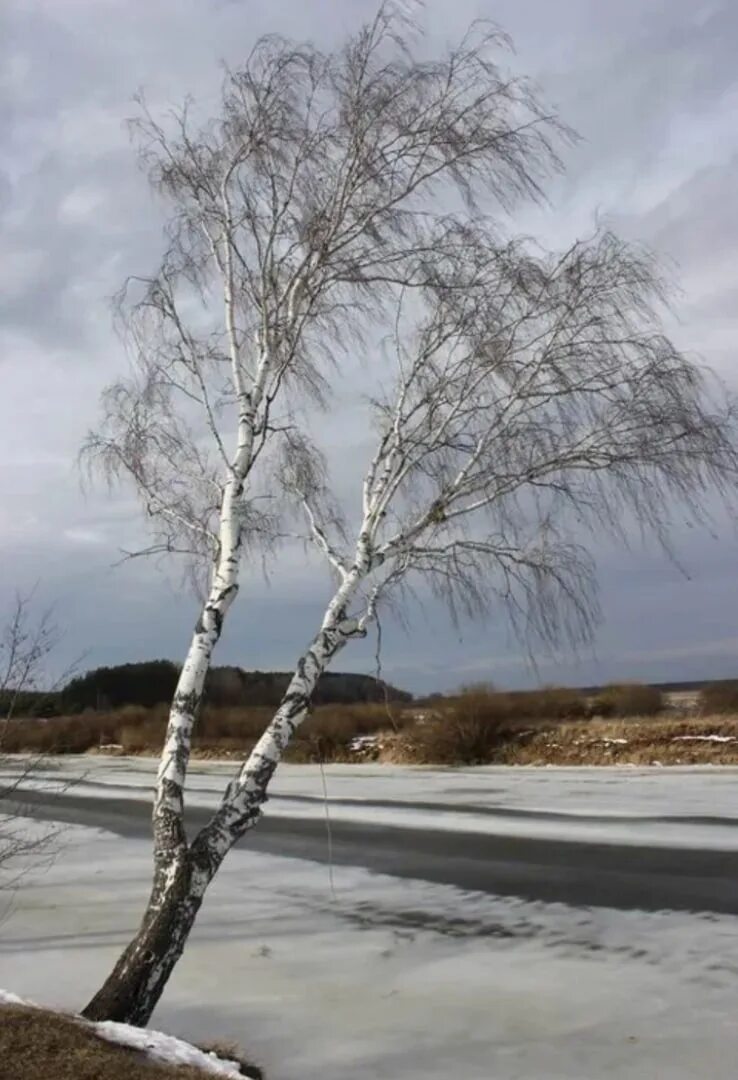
(37, 1044)
(376, 976)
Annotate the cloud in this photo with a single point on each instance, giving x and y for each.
(652, 89)
(84, 536)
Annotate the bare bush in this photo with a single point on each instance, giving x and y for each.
(474, 727)
(628, 699)
(27, 640)
(469, 734)
(330, 732)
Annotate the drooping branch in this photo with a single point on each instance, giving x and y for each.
(538, 401)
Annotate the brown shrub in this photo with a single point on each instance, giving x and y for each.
(548, 703)
(453, 740)
(18, 735)
(328, 732)
(62, 735)
(132, 716)
(719, 697)
(140, 737)
(468, 732)
(628, 699)
(245, 724)
(323, 737)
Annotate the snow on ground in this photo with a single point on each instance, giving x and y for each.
(395, 979)
(154, 1044)
(689, 807)
(166, 1048)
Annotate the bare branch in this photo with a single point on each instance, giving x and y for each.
(333, 197)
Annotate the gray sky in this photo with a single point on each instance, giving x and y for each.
(653, 89)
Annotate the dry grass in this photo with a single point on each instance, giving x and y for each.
(230, 731)
(642, 741)
(36, 1044)
(638, 741)
(479, 726)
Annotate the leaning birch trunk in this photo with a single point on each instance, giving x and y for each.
(133, 988)
(182, 872)
(241, 805)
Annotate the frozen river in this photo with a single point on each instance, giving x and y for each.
(405, 974)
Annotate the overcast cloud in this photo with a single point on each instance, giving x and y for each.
(652, 87)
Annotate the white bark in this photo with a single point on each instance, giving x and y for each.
(187, 699)
(242, 801)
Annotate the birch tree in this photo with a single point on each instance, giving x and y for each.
(325, 185)
(525, 402)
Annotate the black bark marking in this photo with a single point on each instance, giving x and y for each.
(188, 702)
(132, 990)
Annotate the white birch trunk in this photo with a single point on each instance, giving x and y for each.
(187, 699)
(133, 988)
(168, 814)
(242, 801)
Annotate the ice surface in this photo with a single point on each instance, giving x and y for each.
(690, 807)
(401, 980)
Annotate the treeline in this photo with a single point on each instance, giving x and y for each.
(625, 723)
(153, 682)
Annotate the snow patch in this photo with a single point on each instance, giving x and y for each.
(6, 998)
(704, 738)
(165, 1048)
(363, 742)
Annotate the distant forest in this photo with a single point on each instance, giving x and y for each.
(152, 682)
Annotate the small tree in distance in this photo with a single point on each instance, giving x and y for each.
(27, 640)
(524, 393)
